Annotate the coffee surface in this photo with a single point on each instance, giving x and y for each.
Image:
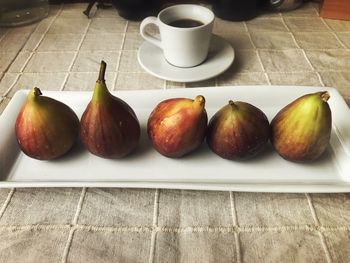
(186, 23)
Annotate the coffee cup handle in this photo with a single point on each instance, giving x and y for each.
(147, 36)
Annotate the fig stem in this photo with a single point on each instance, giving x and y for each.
(325, 96)
(200, 99)
(232, 104)
(101, 76)
(37, 92)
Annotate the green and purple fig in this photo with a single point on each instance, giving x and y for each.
(177, 126)
(109, 127)
(301, 130)
(46, 128)
(239, 130)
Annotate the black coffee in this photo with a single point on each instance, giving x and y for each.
(185, 23)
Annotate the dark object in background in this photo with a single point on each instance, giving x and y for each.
(236, 10)
(22, 12)
(283, 5)
(100, 4)
(241, 10)
(137, 9)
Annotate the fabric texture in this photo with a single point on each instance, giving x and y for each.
(63, 52)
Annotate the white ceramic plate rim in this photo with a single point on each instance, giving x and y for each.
(242, 182)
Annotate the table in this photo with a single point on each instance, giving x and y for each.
(63, 52)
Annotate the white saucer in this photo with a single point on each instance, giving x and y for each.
(220, 57)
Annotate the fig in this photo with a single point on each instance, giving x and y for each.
(45, 128)
(301, 130)
(177, 126)
(109, 127)
(238, 130)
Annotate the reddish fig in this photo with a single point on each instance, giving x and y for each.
(109, 127)
(239, 130)
(177, 126)
(46, 128)
(301, 130)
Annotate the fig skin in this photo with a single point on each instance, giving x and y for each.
(109, 127)
(177, 126)
(239, 130)
(46, 128)
(301, 130)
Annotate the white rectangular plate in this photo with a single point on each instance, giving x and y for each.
(146, 168)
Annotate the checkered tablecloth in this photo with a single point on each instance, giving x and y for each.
(63, 52)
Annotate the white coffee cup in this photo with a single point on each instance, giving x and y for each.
(182, 46)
